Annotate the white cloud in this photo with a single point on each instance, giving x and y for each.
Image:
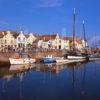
(50, 3)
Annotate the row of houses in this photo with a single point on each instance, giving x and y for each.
(54, 41)
(10, 40)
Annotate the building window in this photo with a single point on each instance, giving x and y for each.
(59, 41)
(1, 42)
(23, 39)
(18, 38)
(19, 45)
(5, 41)
(11, 41)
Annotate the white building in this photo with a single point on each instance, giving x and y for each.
(53, 41)
(21, 40)
(30, 38)
(7, 40)
(48, 41)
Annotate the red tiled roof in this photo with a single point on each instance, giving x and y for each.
(48, 37)
(78, 40)
(15, 34)
(67, 38)
(3, 33)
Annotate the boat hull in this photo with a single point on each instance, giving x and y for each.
(61, 60)
(21, 61)
(67, 61)
(76, 57)
(48, 60)
(93, 59)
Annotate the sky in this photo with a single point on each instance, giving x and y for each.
(50, 16)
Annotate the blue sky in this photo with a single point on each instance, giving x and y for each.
(50, 16)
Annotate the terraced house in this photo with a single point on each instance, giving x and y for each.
(49, 41)
(7, 40)
(79, 43)
(10, 40)
(21, 41)
(30, 39)
(53, 41)
(25, 41)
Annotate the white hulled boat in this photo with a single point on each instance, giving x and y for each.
(61, 60)
(76, 57)
(25, 59)
(67, 61)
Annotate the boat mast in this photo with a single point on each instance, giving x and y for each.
(95, 45)
(84, 33)
(74, 28)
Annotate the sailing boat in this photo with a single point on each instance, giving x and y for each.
(74, 55)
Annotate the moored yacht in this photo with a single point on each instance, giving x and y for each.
(77, 56)
(74, 55)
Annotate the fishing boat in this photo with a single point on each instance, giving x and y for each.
(48, 59)
(24, 59)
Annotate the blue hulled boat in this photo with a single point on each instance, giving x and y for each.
(49, 59)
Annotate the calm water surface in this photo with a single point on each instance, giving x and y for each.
(51, 82)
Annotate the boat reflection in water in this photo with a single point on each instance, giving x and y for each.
(51, 82)
(21, 67)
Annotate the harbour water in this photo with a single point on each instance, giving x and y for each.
(79, 81)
